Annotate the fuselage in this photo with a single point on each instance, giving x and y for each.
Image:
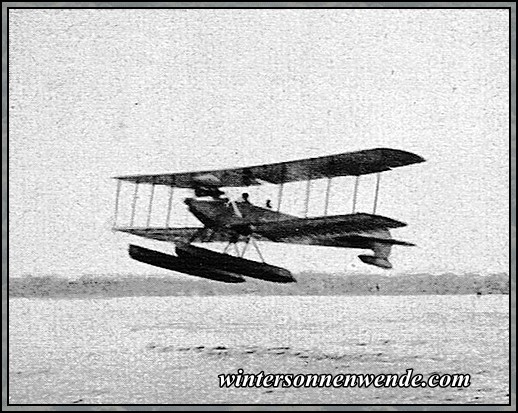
(345, 231)
(221, 213)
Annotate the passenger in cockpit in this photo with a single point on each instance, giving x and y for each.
(245, 197)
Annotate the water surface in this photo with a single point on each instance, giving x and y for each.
(171, 349)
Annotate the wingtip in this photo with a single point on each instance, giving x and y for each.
(409, 158)
(420, 159)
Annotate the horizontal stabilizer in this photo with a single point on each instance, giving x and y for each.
(376, 261)
(388, 241)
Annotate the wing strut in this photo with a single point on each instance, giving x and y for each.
(281, 187)
(378, 177)
(119, 182)
(306, 205)
(150, 208)
(169, 206)
(134, 204)
(355, 192)
(327, 195)
(236, 208)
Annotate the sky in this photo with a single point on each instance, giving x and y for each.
(95, 94)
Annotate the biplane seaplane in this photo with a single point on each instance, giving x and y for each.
(240, 222)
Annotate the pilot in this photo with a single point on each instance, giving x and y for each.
(245, 197)
(269, 203)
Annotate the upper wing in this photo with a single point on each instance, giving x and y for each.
(351, 163)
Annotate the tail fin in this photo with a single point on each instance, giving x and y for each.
(380, 242)
(381, 253)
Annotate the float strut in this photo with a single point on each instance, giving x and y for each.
(244, 248)
(254, 243)
(226, 247)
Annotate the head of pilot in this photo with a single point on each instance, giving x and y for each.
(245, 197)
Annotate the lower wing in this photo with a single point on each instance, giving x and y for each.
(330, 231)
(177, 235)
(363, 231)
(334, 231)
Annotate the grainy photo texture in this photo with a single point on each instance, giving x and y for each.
(259, 206)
